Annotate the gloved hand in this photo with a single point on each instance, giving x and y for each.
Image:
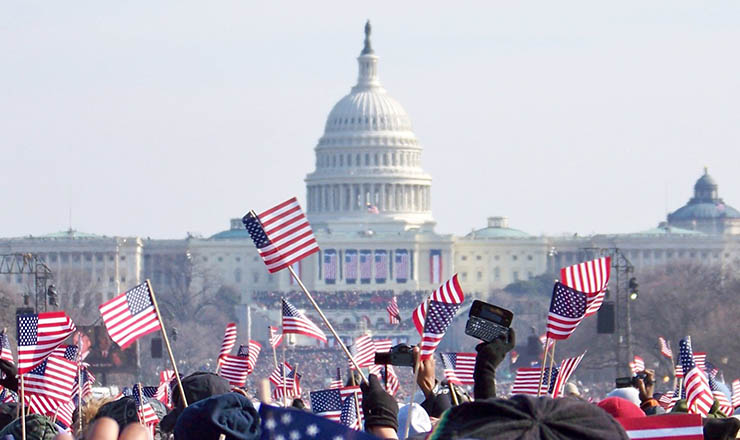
(490, 354)
(10, 381)
(379, 408)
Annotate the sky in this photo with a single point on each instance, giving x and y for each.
(159, 119)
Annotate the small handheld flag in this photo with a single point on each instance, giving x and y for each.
(130, 315)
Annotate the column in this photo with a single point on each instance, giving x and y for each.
(382, 206)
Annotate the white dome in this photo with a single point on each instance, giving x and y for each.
(368, 110)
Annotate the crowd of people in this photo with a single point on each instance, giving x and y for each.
(343, 299)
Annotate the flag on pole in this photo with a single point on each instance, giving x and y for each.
(296, 322)
(392, 385)
(701, 360)
(567, 367)
(39, 335)
(637, 365)
(394, 314)
(276, 337)
(329, 403)
(450, 292)
(336, 382)
(438, 319)
(567, 310)
(53, 378)
(591, 278)
(292, 381)
(724, 405)
(6, 355)
(527, 381)
(458, 367)
(251, 352)
(164, 390)
(699, 398)
(40, 404)
(146, 413)
(665, 427)
(235, 369)
(665, 347)
(282, 235)
(736, 393)
(229, 340)
(349, 417)
(363, 351)
(68, 352)
(130, 315)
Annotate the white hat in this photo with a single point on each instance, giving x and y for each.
(420, 422)
(629, 393)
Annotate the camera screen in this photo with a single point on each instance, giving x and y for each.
(491, 315)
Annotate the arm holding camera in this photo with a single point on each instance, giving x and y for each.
(490, 355)
(646, 387)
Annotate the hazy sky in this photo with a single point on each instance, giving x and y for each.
(159, 118)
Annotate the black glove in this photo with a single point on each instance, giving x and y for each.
(490, 354)
(10, 381)
(378, 406)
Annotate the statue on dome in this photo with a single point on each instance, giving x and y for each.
(368, 30)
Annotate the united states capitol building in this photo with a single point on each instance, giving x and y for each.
(370, 204)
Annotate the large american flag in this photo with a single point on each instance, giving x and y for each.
(381, 265)
(567, 367)
(449, 292)
(637, 365)
(366, 266)
(350, 265)
(665, 347)
(699, 398)
(458, 367)
(438, 319)
(235, 369)
(402, 265)
(39, 335)
(567, 309)
(229, 340)
(736, 393)
(251, 351)
(282, 235)
(296, 322)
(394, 313)
(591, 278)
(330, 265)
(6, 354)
(276, 337)
(527, 381)
(53, 378)
(665, 427)
(130, 315)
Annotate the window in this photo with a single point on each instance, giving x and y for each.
(205, 258)
(99, 257)
(465, 276)
(238, 275)
(123, 279)
(123, 258)
(529, 257)
(238, 259)
(75, 257)
(110, 257)
(367, 159)
(464, 258)
(341, 161)
(479, 276)
(53, 258)
(377, 159)
(514, 257)
(65, 257)
(220, 259)
(515, 276)
(110, 280)
(255, 277)
(496, 273)
(496, 257)
(478, 257)
(88, 257)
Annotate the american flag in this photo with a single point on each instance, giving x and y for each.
(372, 209)
(68, 352)
(449, 292)
(392, 385)
(350, 417)
(130, 315)
(366, 266)
(251, 352)
(527, 381)
(699, 396)
(8, 396)
(282, 235)
(725, 407)
(40, 404)
(289, 423)
(6, 354)
(543, 341)
(458, 367)
(439, 317)
(402, 265)
(381, 265)
(88, 380)
(330, 265)
(328, 403)
(53, 378)
(665, 347)
(567, 309)
(39, 335)
(675, 395)
(363, 351)
(65, 413)
(736, 393)
(350, 265)
(701, 360)
(678, 371)
(235, 369)
(276, 337)
(337, 381)
(591, 278)
(382, 345)
(292, 381)
(567, 367)
(297, 323)
(146, 413)
(637, 365)
(394, 314)
(665, 427)
(229, 340)
(164, 390)
(665, 399)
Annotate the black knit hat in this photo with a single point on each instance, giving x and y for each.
(230, 414)
(197, 386)
(528, 418)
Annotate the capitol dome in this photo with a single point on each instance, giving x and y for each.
(368, 161)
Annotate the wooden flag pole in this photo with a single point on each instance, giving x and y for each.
(167, 344)
(285, 386)
(542, 368)
(141, 398)
(452, 393)
(552, 363)
(79, 381)
(326, 321)
(22, 403)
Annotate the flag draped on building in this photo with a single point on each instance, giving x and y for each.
(39, 335)
(699, 398)
(665, 347)
(130, 315)
(281, 234)
(450, 292)
(591, 278)
(276, 337)
(394, 313)
(297, 323)
(458, 367)
(229, 340)
(567, 310)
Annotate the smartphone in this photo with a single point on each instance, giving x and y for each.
(488, 322)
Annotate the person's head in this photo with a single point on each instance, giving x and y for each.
(628, 393)
(618, 407)
(571, 390)
(230, 414)
(197, 386)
